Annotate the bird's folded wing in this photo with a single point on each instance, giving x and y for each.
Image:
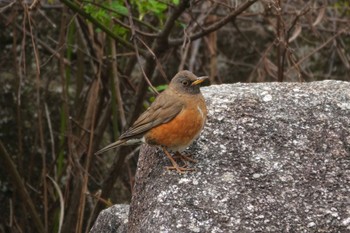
(161, 111)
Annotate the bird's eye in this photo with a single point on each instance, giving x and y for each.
(185, 83)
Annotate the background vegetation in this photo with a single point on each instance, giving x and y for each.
(75, 73)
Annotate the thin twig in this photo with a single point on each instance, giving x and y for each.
(34, 4)
(215, 26)
(280, 28)
(52, 139)
(146, 34)
(116, 88)
(159, 65)
(184, 50)
(2, 9)
(18, 70)
(264, 55)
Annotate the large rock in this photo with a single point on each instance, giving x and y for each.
(273, 157)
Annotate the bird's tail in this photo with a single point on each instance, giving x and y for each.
(111, 146)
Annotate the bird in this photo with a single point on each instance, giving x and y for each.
(173, 121)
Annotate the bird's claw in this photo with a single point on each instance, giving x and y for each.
(180, 170)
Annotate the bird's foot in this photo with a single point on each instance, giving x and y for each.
(184, 158)
(179, 169)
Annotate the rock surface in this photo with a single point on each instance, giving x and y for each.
(113, 219)
(273, 157)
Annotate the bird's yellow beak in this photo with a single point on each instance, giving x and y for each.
(199, 80)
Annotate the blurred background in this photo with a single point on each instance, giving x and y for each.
(75, 74)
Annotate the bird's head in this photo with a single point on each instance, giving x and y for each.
(186, 82)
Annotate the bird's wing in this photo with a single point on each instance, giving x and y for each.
(162, 110)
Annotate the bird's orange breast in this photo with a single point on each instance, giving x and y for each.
(181, 131)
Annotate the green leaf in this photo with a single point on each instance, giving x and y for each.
(119, 8)
(159, 88)
(151, 99)
(162, 87)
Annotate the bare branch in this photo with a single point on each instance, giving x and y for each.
(214, 26)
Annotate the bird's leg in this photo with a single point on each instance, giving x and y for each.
(184, 158)
(175, 165)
